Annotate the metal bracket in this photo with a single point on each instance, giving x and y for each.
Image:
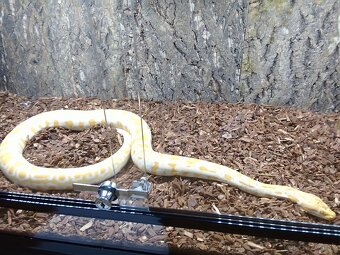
(109, 192)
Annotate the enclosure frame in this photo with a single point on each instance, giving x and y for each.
(261, 227)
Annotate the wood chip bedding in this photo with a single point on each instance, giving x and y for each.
(271, 144)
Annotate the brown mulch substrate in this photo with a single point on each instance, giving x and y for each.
(271, 144)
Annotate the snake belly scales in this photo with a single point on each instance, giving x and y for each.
(17, 169)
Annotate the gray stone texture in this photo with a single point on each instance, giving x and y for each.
(268, 52)
(291, 54)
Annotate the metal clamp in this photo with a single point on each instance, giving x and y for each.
(109, 192)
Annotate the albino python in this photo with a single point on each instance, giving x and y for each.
(20, 171)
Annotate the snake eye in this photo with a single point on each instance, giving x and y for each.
(324, 211)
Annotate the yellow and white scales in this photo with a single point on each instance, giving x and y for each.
(16, 168)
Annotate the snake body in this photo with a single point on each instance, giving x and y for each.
(16, 168)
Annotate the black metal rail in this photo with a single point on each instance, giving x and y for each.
(290, 230)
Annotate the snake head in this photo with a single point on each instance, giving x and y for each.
(313, 205)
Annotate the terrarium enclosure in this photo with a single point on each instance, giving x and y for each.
(251, 85)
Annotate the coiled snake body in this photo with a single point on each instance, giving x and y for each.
(20, 171)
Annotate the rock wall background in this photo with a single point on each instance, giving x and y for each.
(269, 52)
